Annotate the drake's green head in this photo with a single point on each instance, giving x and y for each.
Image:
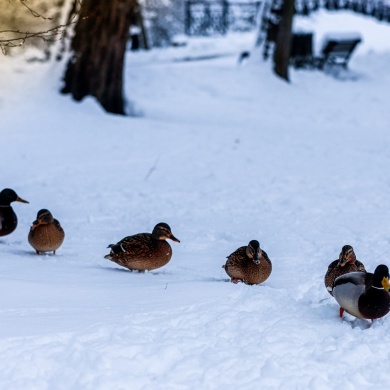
(7, 196)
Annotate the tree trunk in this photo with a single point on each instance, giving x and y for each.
(98, 49)
(283, 40)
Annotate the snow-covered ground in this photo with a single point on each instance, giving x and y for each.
(224, 154)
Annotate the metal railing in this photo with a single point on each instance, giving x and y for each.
(378, 9)
(204, 18)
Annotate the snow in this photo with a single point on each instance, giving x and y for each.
(224, 154)
(375, 33)
(341, 36)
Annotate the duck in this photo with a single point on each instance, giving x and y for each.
(363, 294)
(46, 233)
(144, 251)
(248, 264)
(346, 263)
(8, 218)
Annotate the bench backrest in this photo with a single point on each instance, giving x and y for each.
(338, 51)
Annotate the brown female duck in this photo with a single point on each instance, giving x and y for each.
(144, 251)
(248, 264)
(46, 233)
(8, 218)
(363, 294)
(346, 263)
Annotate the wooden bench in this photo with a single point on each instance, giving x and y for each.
(301, 52)
(337, 50)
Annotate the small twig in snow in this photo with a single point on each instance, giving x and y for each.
(152, 169)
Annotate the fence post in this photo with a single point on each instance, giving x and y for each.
(187, 19)
(225, 16)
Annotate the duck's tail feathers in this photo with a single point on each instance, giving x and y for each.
(116, 248)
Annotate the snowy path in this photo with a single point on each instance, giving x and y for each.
(224, 155)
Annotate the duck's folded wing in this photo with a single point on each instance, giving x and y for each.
(348, 289)
(138, 244)
(356, 278)
(58, 226)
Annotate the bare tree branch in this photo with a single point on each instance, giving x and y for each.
(32, 12)
(20, 37)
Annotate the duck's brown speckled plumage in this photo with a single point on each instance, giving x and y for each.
(346, 263)
(8, 218)
(144, 251)
(362, 294)
(46, 233)
(241, 265)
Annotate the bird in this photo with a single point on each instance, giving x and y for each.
(248, 264)
(46, 233)
(346, 263)
(8, 218)
(144, 251)
(363, 294)
(244, 55)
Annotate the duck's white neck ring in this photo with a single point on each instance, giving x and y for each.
(378, 288)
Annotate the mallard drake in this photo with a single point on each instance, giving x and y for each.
(363, 294)
(248, 264)
(8, 218)
(144, 251)
(346, 263)
(46, 233)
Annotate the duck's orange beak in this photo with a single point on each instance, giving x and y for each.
(36, 223)
(342, 262)
(18, 199)
(385, 283)
(173, 238)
